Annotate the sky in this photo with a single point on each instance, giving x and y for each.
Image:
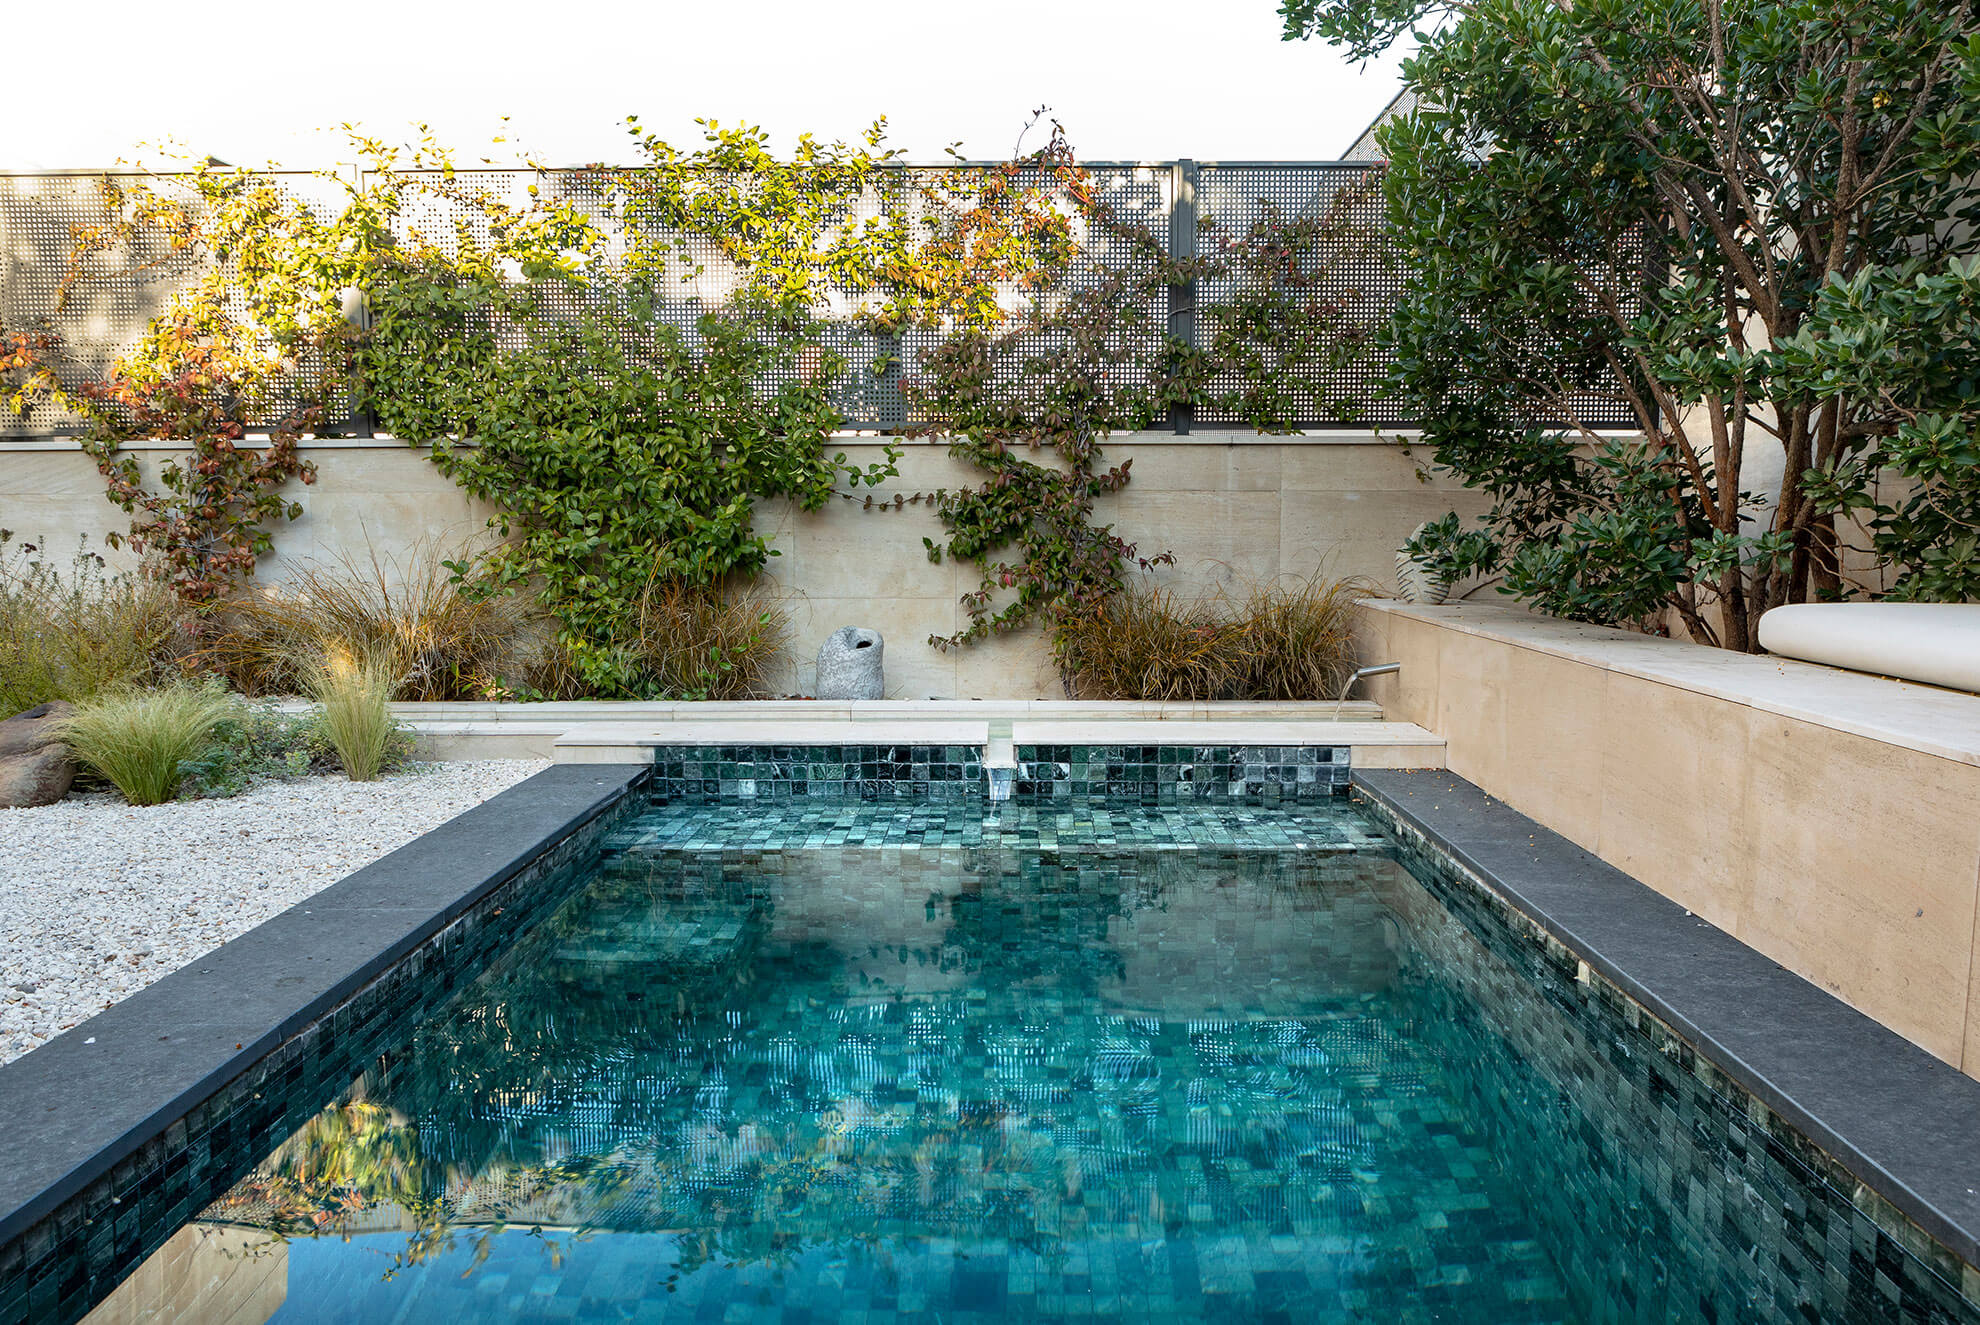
(270, 80)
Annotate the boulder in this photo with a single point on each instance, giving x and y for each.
(849, 665)
(35, 767)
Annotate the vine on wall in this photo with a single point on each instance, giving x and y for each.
(625, 452)
(258, 333)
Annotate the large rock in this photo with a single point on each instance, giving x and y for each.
(35, 767)
(849, 665)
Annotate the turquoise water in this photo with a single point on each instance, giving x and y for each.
(821, 1062)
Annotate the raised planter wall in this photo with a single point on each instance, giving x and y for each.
(1229, 505)
(1829, 819)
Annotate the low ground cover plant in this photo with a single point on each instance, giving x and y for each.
(254, 744)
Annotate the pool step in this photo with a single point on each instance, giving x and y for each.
(1374, 744)
(531, 731)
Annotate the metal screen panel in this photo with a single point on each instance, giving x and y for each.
(41, 217)
(1348, 272)
(1137, 194)
(112, 294)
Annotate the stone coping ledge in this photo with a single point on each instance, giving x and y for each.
(1897, 1118)
(777, 733)
(1374, 744)
(876, 710)
(1942, 723)
(82, 1103)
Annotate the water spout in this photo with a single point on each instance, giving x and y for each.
(999, 764)
(1379, 669)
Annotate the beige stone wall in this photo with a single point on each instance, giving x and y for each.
(1830, 820)
(1231, 506)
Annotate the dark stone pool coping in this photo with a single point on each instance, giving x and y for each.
(1896, 1118)
(80, 1105)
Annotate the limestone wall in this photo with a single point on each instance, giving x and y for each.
(1231, 506)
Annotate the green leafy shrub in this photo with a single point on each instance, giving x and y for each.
(77, 635)
(1280, 641)
(445, 640)
(355, 691)
(139, 738)
(1704, 218)
(254, 744)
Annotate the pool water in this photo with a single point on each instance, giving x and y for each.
(838, 1062)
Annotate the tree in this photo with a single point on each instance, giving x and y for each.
(1650, 206)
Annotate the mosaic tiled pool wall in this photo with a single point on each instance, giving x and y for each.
(1148, 774)
(705, 774)
(1626, 1124)
(63, 1266)
(1160, 773)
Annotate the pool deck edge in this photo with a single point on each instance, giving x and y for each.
(1894, 1116)
(93, 1096)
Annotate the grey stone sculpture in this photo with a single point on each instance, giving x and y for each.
(35, 767)
(849, 665)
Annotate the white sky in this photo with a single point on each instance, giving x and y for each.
(259, 81)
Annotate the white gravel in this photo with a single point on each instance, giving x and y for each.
(99, 898)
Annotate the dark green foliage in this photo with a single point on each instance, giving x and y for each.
(1904, 343)
(252, 745)
(1642, 202)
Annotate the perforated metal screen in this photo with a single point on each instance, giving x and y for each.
(100, 304)
(108, 305)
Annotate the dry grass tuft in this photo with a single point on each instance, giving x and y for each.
(77, 635)
(1146, 643)
(355, 690)
(708, 643)
(440, 641)
(1280, 641)
(1299, 638)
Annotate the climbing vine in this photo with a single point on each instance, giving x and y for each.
(626, 360)
(1027, 387)
(257, 333)
(625, 455)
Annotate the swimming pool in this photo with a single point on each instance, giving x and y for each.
(826, 1060)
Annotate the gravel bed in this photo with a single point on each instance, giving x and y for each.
(99, 898)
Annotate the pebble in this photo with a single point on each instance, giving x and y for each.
(99, 898)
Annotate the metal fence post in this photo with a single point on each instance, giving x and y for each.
(358, 313)
(1182, 298)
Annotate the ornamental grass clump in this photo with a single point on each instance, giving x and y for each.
(1299, 638)
(445, 641)
(139, 738)
(355, 689)
(693, 643)
(1146, 643)
(77, 635)
(1279, 641)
